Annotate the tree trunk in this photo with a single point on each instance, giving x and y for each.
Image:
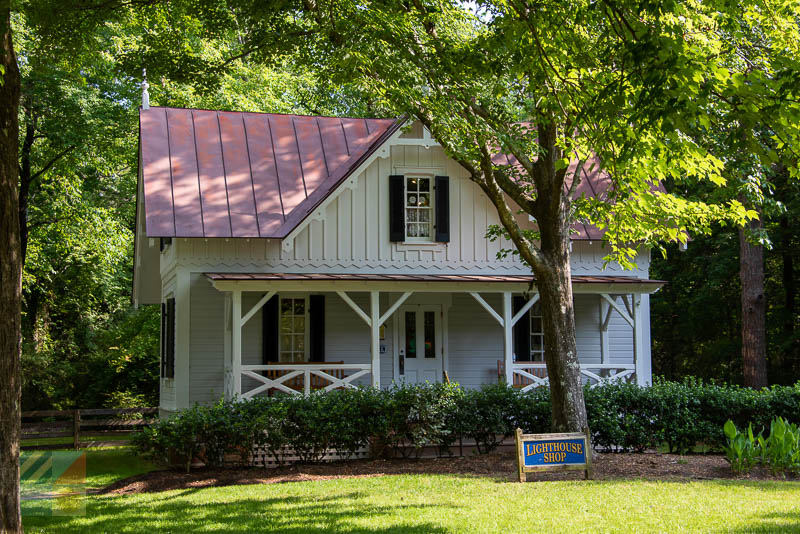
(561, 352)
(754, 332)
(787, 259)
(25, 183)
(10, 283)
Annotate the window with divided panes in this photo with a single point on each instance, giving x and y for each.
(293, 329)
(537, 333)
(419, 210)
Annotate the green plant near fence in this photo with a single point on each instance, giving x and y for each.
(779, 451)
(402, 420)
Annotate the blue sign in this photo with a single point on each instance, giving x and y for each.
(554, 452)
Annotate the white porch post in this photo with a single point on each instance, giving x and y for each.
(236, 341)
(605, 317)
(228, 344)
(375, 326)
(508, 347)
(638, 349)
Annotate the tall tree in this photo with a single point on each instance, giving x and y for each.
(77, 172)
(10, 281)
(559, 87)
(754, 119)
(79, 127)
(754, 308)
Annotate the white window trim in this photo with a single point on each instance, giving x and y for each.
(306, 334)
(431, 203)
(535, 354)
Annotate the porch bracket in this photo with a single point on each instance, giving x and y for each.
(488, 308)
(393, 308)
(627, 304)
(528, 305)
(356, 308)
(616, 307)
(258, 306)
(607, 318)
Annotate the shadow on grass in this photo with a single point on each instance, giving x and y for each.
(771, 523)
(292, 514)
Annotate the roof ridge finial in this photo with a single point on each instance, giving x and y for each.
(145, 94)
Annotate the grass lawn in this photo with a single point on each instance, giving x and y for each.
(443, 503)
(103, 466)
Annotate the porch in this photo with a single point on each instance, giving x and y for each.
(447, 317)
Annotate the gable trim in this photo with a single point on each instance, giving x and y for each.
(379, 150)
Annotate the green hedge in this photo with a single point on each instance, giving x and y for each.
(403, 419)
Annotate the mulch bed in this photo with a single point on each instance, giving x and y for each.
(499, 464)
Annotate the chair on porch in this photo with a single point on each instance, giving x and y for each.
(519, 381)
(296, 383)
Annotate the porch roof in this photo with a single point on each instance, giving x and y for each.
(589, 282)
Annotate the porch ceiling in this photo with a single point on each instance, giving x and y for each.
(423, 282)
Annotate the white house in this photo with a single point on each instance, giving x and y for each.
(294, 253)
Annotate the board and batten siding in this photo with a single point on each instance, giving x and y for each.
(349, 232)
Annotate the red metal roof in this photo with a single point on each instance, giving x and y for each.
(576, 279)
(234, 174)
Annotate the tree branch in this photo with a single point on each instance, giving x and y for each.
(52, 161)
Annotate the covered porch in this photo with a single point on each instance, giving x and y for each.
(430, 340)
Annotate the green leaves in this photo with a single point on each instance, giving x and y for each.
(780, 451)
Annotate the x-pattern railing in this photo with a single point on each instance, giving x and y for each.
(534, 373)
(291, 373)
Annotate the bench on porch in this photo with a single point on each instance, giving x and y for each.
(520, 381)
(296, 383)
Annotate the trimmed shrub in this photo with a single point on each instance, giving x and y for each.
(177, 440)
(622, 416)
(403, 419)
(406, 418)
(488, 415)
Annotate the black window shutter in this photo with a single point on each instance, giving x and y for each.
(316, 324)
(270, 330)
(397, 209)
(522, 331)
(442, 209)
(170, 366)
(163, 339)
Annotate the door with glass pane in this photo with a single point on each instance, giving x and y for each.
(420, 354)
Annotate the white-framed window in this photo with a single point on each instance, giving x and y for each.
(293, 317)
(419, 208)
(537, 333)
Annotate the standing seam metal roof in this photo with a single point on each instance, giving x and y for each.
(237, 174)
(234, 174)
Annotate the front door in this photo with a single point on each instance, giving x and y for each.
(420, 343)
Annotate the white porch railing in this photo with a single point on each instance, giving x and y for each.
(303, 379)
(534, 374)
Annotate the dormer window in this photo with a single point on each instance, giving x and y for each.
(419, 208)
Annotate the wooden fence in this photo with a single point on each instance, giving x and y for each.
(102, 427)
